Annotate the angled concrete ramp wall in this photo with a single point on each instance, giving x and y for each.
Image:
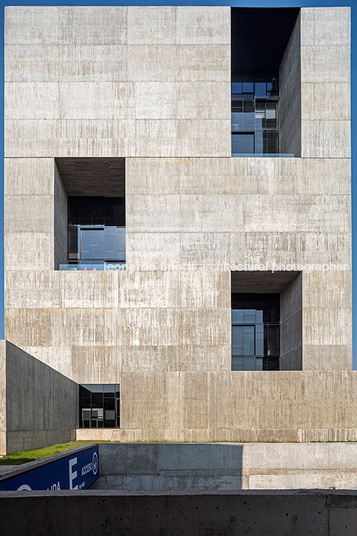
(37, 403)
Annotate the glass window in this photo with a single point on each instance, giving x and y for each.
(243, 143)
(260, 89)
(255, 331)
(255, 114)
(99, 406)
(248, 87)
(96, 229)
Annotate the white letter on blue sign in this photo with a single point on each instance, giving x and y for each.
(72, 474)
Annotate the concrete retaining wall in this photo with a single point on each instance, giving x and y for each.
(211, 467)
(245, 513)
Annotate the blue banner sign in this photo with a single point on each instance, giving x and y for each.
(76, 471)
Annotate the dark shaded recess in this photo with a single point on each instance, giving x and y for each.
(260, 37)
(93, 176)
(261, 282)
(268, 303)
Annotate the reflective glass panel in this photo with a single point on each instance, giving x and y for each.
(99, 406)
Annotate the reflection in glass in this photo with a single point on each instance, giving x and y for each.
(99, 406)
(255, 331)
(96, 229)
(254, 115)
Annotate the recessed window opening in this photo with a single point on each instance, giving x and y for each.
(259, 40)
(90, 214)
(99, 406)
(96, 230)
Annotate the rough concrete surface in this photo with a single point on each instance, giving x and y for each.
(322, 513)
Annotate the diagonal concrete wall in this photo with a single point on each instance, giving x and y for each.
(38, 403)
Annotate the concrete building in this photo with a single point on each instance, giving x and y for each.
(177, 225)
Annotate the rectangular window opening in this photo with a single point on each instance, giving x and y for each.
(99, 406)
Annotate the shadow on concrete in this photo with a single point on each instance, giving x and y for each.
(170, 467)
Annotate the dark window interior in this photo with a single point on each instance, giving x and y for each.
(255, 331)
(259, 39)
(99, 406)
(96, 211)
(96, 229)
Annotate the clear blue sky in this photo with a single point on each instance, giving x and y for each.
(237, 3)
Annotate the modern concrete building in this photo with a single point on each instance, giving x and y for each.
(177, 225)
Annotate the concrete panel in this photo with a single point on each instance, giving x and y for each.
(325, 101)
(155, 63)
(327, 326)
(326, 139)
(185, 100)
(28, 251)
(327, 298)
(181, 138)
(318, 62)
(28, 176)
(96, 364)
(32, 289)
(175, 358)
(151, 25)
(60, 25)
(326, 26)
(291, 213)
(152, 251)
(210, 250)
(71, 138)
(275, 407)
(99, 100)
(28, 213)
(203, 25)
(186, 213)
(238, 176)
(66, 63)
(204, 62)
(31, 100)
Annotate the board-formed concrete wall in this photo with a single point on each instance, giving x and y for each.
(289, 109)
(243, 513)
(226, 466)
(153, 85)
(38, 406)
(325, 82)
(117, 81)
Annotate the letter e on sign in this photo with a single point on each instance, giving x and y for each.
(72, 474)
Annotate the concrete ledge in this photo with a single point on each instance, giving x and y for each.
(247, 512)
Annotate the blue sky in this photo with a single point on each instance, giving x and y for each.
(236, 3)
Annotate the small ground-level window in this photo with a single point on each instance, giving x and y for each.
(99, 406)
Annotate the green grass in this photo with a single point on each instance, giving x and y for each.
(19, 458)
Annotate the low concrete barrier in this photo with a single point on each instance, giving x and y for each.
(113, 513)
(200, 467)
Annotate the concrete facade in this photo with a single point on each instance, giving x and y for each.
(152, 86)
(37, 402)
